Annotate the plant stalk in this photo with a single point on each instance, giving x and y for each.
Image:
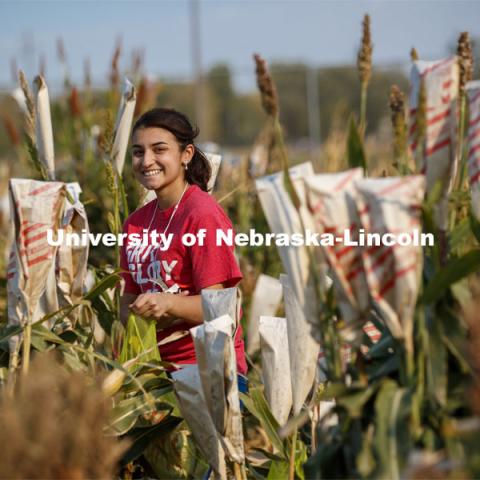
(462, 161)
(27, 341)
(291, 466)
(363, 109)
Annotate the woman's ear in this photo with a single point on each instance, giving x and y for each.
(188, 153)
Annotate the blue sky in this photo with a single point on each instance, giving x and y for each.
(317, 32)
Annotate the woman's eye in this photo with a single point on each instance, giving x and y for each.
(158, 150)
(137, 153)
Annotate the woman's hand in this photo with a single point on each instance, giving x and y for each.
(154, 306)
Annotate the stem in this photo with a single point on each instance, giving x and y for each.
(123, 196)
(239, 472)
(363, 109)
(27, 341)
(117, 226)
(315, 418)
(291, 467)
(12, 368)
(461, 157)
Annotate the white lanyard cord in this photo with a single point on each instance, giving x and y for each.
(159, 282)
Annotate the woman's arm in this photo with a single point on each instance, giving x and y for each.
(167, 308)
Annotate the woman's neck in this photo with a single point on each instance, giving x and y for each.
(169, 195)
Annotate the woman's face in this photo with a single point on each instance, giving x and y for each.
(157, 158)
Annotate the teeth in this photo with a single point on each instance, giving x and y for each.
(151, 172)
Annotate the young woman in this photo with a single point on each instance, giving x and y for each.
(164, 283)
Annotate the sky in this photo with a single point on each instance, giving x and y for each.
(316, 32)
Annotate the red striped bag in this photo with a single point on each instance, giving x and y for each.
(392, 206)
(473, 92)
(436, 156)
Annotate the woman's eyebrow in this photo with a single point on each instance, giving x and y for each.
(136, 145)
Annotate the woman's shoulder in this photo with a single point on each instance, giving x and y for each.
(202, 203)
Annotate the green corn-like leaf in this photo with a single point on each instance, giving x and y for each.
(355, 401)
(391, 438)
(141, 437)
(123, 196)
(278, 471)
(257, 405)
(454, 271)
(436, 360)
(109, 281)
(140, 340)
(475, 226)
(365, 459)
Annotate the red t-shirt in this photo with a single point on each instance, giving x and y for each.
(190, 268)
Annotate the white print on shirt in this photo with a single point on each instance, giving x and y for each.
(153, 269)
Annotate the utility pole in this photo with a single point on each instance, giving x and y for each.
(196, 49)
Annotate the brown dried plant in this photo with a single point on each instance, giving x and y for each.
(268, 91)
(421, 115)
(105, 139)
(114, 75)
(30, 116)
(53, 427)
(414, 54)
(61, 55)
(12, 130)
(87, 74)
(465, 60)
(364, 57)
(399, 126)
(74, 103)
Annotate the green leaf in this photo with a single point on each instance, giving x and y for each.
(109, 281)
(474, 225)
(123, 196)
(355, 150)
(301, 456)
(391, 438)
(436, 360)
(257, 405)
(278, 471)
(125, 413)
(460, 235)
(365, 459)
(355, 401)
(434, 195)
(9, 331)
(141, 437)
(383, 368)
(454, 271)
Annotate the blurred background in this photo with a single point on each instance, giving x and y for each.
(196, 56)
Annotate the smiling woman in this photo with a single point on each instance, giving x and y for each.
(164, 284)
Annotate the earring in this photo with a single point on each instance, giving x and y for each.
(186, 166)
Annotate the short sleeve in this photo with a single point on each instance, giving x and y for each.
(211, 263)
(130, 285)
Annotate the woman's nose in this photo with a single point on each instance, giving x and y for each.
(148, 158)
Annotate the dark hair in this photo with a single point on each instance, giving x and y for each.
(179, 125)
